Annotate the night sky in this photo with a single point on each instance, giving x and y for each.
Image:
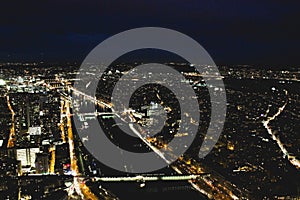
(232, 31)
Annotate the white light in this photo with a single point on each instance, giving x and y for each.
(2, 82)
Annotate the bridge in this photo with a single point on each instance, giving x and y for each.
(151, 178)
(84, 116)
(93, 99)
(96, 113)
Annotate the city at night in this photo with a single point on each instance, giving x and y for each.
(119, 100)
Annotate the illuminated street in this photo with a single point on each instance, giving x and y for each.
(10, 143)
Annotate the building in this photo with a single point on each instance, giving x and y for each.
(42, 163)
(27, 157)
